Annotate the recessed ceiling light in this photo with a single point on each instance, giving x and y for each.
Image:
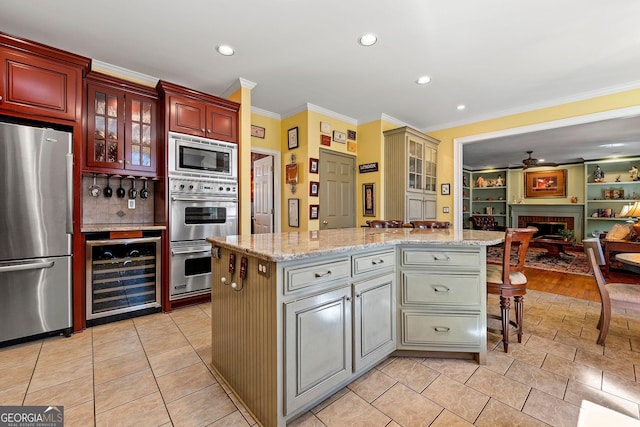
(368, 39)
(461, 107)
(615, 144)
(423, 80)
(225, 50)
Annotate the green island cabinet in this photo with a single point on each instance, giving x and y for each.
(288, 333)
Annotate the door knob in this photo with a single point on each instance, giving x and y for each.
(325, 222)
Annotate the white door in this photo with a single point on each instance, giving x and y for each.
(337, 190)
(263, 195)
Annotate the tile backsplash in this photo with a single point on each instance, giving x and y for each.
(115, 210)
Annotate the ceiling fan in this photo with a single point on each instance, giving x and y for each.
(531, 162)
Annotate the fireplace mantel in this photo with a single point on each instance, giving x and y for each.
(574, 210)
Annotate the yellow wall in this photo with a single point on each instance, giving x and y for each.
(243, 97)
(302, 160)
(573, 109)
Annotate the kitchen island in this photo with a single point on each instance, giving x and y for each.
(296, 316)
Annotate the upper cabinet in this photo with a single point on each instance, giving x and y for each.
(200, 114)
(121, 127)
(410, 160)
(40, 82)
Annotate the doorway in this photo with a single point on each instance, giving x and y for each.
(265, 183)
(337, 190)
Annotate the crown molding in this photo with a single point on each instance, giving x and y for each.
(240, 83)
(324, 111)
(261, 112)
(123, 72)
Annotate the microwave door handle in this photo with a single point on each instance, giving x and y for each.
(26, 266)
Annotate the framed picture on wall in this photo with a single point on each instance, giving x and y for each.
(551, 183)
(313, 165)
(293, 138)
(314, 211)
(314, 187)
(445, 189)
(294, 212)
(369, 199)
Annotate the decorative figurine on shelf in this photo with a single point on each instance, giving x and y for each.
(465, 183)
(633, 172)
(499, 181)
(480, 182)
(618, 178)
(598, 174)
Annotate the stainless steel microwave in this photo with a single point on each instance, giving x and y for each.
(202, 157)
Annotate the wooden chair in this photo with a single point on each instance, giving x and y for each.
(385, 223)
(616, 295)
(486, 222)
(507, 279)
(430, 224)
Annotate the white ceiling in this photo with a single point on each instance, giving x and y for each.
(495, 56)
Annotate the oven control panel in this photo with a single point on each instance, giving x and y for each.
(195, 186)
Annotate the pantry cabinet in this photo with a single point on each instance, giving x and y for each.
(121, 127)
(39, 82)
(199, 114)
(410, 163)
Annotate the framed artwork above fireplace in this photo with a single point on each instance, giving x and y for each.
(551, 183)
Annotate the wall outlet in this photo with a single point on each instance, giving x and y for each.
(445, 209)
(132, 203)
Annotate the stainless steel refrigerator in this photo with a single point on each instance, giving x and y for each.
(36, 209)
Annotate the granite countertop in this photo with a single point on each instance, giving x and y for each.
(96, 228)
(291, 246)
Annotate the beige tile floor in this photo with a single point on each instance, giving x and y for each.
(154, 371)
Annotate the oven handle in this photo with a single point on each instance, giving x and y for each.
(201, 199)
(189, 251)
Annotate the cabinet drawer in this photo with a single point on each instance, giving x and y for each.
(304, 276)
(421, 328)
(443, 257)
(419, 288)
(374, 261)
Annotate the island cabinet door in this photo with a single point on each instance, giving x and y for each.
(318, 346)
(374, 316)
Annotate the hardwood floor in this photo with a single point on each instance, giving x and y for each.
(573, 285)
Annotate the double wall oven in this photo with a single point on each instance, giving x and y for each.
(203, 194)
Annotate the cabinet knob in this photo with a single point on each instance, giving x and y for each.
(325, 222)
(202, 130)
(120, 161)
(0, 98)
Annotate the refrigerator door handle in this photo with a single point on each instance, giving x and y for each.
(26, 266)
(69, 193)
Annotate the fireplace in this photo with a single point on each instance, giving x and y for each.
(548, 228)
(549, 219)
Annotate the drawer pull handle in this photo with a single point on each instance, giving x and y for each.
(328, 273)
(441, 329)
(374, 262)
(441, 288)
(445, 258)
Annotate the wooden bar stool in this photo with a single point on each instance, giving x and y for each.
(507, 279)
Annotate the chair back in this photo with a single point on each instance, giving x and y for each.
(430, 224)
(385, 223)
(594, 243)
(516, 240)
(597, 273)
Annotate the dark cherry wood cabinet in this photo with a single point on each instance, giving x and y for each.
(200, 114)
(39, 82)
(121, 127)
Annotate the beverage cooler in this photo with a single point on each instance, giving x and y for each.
(123, 276)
